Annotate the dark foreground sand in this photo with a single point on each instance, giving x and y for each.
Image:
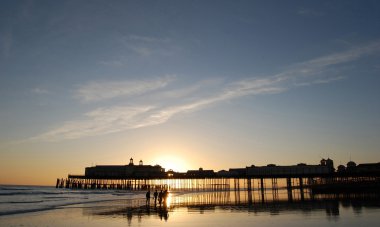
(204, 210)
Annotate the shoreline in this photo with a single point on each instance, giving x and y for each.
(203, 209)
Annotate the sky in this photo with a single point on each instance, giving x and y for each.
(186, 84)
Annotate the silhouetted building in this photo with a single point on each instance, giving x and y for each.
(368, 168)
(123, 171)
(236, 172)
(341, 168)
(329, 163)
(351, 166)
(200, 173)
(223, 173)
(173, 174)
(326, 167)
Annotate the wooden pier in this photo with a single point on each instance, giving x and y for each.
(298, 186)
(316, 178)
(183, 184)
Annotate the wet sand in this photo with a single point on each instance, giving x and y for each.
(207, 209)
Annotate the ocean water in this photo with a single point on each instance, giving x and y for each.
(48, 206)
(25, 199)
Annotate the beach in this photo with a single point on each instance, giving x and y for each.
(117, 208)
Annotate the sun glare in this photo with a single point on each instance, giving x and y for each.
(168, 200)
(172, 162)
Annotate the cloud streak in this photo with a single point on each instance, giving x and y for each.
(120, 118)
(122, 61)
(148, 39)
(146, 46)
(102, 90)
(97, 122)
(40, 91)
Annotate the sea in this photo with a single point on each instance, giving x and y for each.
(49, 206)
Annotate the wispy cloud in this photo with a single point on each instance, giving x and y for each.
(104, 121)
(119, 118)
(141, 50)
(40, 91)
(345, 56)
(97, 122)
(103, 90)
(122, 61)
(147, 46)
(317, 69)
(320, 81)
(148, 39)
(191, 90)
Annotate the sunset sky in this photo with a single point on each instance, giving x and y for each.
(186, 84)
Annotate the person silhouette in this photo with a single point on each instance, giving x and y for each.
(160, 195)
(155, 194)
(148, 197)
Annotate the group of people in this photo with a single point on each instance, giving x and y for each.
(160, 196)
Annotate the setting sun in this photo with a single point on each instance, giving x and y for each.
(172, 162)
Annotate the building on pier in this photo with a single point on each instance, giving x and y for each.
(142, 177)
(201, 173)
(369, 167)
(124, 171)
(326, 167)
(236, 172)
(231, 173)
(352, 167)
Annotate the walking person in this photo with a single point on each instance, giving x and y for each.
(148, 197)
(155, 194)
(160, 195)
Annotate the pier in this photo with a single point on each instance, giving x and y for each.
(296, 178)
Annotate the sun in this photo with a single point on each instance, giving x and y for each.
(172, 162)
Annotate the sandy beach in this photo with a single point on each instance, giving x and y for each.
(205, 209)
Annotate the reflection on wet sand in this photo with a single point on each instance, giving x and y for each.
(129, 209)
(274, 203)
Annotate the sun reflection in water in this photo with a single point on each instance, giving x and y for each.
(168, 199)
